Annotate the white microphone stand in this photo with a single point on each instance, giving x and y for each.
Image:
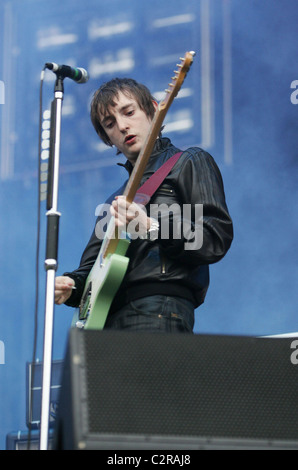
(53, 217)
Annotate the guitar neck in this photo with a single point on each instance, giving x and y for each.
(141, 163)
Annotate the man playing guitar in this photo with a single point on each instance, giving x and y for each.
(165, 280)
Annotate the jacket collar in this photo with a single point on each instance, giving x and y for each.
(161, 144)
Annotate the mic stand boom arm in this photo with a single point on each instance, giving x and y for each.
(53, 217)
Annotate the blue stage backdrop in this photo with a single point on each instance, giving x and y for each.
(238, 102)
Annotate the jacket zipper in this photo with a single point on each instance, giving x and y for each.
(163, 265)
(166, 190)
(163, 261)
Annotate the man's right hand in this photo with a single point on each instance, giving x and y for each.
(63, 289)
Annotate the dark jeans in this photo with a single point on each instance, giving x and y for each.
(157, 313)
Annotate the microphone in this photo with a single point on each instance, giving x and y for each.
(79, 75)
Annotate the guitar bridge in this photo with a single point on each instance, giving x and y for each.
(85, 303)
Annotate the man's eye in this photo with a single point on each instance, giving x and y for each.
(110, 125)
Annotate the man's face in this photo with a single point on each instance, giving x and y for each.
(126, 125)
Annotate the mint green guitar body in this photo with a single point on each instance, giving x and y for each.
(101, 287)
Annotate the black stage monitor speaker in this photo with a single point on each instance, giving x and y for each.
(157, 391)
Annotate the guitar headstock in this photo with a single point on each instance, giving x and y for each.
(177, 79)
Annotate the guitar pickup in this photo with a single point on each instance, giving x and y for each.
(85, 303)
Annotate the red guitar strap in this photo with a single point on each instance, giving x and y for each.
(145, 192)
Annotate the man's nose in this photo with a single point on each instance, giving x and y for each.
(122, 124)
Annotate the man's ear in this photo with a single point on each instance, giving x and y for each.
(155, 104)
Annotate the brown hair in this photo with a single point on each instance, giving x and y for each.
(104, 97)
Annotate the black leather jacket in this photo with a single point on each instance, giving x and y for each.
(164, 266)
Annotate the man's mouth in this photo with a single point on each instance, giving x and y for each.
(130, 139)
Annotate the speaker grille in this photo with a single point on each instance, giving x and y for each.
(188, 385)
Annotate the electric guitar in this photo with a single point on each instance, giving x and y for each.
(111, 263)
